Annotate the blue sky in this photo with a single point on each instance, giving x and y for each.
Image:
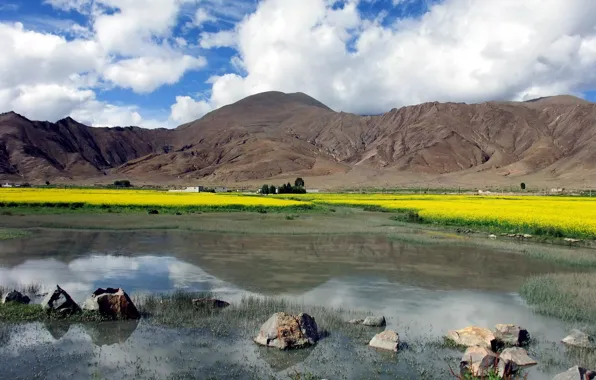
(165, 62)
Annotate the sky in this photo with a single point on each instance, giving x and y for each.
(162, 63)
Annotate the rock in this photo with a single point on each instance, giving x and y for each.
(16, 297)
(517, 355)
(356, 321)
(474, 336)
(387, 340)
(492, 236)
(59, 301)
(576, 373)
(210, 302)
(511, 235)
(527, 236)
(480, 361)
(286, 331)
(570, 240)
(113, 303)
(378, 321)
(579, 339)
(512, 335)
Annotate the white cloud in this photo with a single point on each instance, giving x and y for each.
(187, 109)
(460, 50)
(145, 74)
(202, 16)
(226, 38)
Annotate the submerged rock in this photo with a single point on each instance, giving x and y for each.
(210, 302)
(387, 340)
(576, 373)
(378, 321)
(59, 301)
(512, 335)
(480, 361)
(286, 331)
(578, 338)
(113, 303)
(16, 297)
(474, 336)
(517, 355)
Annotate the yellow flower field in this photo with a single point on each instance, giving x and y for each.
(571, 216)
(138, 198)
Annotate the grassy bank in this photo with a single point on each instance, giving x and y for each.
(567, 296)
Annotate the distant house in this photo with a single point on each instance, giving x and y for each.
(313, 190)
(6, 185)
(221, 189)
(190, 189)
(557, 190)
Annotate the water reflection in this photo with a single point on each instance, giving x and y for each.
(422, 290)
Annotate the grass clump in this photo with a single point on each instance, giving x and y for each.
(18, 313)
(6, 234)
(568, 296)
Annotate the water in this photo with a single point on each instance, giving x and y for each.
(423, 290)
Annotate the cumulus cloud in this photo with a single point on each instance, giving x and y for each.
(460, 50)
(145, 74)
(127, 44)
(186, 109)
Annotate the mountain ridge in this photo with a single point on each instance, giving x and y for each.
(276, 135)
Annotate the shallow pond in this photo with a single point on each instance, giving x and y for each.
(423, 290)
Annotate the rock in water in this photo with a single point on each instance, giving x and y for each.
(60, 302)
(576, 373)
(480, 361)
(517, 355)
(378, 321)
(113, 303)
(387, 340)
(474, 336)
(16, 297)
(512, 335)
(579, 339)
(286, 331)
(210, 302)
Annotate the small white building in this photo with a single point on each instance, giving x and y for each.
(221, 189)
(6, 185)
(190, 189)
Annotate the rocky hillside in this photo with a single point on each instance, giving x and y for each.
(275, 134)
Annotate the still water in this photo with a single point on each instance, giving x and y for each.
(423, 290)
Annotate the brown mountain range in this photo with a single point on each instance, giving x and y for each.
(274, 136)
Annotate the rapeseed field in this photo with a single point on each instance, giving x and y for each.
(558, 216)
(123, 198)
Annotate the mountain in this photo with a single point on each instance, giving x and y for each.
(273, 136)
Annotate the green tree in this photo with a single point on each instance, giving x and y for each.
(523, 185)
(265, 190)
(122, 183)
(299, 182)
(272, 189)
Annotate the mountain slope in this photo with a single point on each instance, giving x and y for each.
(273, 134)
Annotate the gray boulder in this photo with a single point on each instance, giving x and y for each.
(387, 340)
(356, 321)
(512, 335)
(285, 331)
(576, 373)
(517, 355)
(16, 297)
(378, 321)
(580, 339)
(59, 301)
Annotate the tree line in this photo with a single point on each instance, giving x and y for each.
(287, 188)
